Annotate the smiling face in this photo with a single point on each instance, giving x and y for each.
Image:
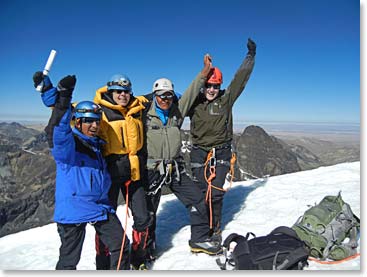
(121, 97)
(211, 91)
(165, 100)
(88, 126)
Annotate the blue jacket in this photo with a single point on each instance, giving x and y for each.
(82, 179)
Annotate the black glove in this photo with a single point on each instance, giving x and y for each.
(39, 78)
(251, 46)
(65, 88)
(67, 83)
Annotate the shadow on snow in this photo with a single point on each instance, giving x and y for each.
(173, 216)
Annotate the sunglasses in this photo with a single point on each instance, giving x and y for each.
(212, 86)
(90, 120)
(122, 91)
(163, 97)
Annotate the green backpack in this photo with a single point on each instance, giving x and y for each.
(325, 226)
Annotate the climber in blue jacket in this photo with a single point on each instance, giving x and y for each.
(82, 179)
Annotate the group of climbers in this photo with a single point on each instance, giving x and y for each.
(132, 144)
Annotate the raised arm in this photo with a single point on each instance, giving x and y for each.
(58, 127)
(239, 81)
(190, 94)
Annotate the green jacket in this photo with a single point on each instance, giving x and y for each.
(164, 142)
(211, 122)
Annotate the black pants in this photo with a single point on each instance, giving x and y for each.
(137, 202)
(192, 198)
(72, 237)
(142, 220)
(199, 156)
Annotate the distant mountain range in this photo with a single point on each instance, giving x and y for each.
(27, 170)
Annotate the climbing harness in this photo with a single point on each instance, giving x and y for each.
(165, 168)
(211, 164)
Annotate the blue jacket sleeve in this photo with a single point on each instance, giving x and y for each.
(63, 139)
(49, 97)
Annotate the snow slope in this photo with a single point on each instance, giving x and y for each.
(257, 206)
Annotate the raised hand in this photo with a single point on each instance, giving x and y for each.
(251, 46)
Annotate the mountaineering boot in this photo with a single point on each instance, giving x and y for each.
(139, 250)
(140, 267)
(217, 237)
(208, 246)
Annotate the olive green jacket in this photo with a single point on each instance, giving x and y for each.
(164, 142)
(211, 122)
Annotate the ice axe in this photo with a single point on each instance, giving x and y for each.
(48, 65)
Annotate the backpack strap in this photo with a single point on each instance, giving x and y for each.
(299, 254)
(236, 238)
(240, 249)
(285, 230)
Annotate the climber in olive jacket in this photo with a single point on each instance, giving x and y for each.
(211, 132)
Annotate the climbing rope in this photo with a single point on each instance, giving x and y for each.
(127, 183)
(334, 262)
(211, 162)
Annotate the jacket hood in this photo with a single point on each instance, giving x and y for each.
(134, 105)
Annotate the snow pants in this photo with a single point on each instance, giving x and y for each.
(223, 157)
(72, 237)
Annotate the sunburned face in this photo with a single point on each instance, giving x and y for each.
(121, 97)
(165, 100)
(211, 91)
(88, 126)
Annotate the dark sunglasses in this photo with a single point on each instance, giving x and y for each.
(122, 91)
(90, 120)
(212, 86)
(163, 97)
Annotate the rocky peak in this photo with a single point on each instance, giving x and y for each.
(261, 154)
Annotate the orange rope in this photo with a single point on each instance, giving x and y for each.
(208, 197)
(334, 262)
(231, 169)
(127, 183)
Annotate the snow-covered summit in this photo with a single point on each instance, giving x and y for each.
(257, 206)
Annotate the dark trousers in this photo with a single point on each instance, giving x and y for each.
(192, 198)
(137, 202)
(72, 237)
(199, 156)
(142, 220)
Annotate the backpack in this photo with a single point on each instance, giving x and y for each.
(279, 250)
(326, 225)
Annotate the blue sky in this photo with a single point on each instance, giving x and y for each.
(307, 64)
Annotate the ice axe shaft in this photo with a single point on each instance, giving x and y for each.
(48, 65)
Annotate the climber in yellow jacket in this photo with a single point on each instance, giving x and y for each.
(122, 129)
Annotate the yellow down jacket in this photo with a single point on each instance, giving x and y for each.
(122, 129)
